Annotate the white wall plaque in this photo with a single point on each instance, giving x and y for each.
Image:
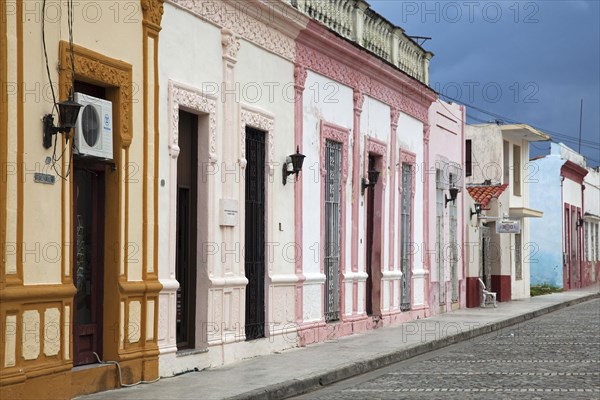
(228, 212)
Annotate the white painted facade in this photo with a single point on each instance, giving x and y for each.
(231, 79)
(501, 155)
(337, 108)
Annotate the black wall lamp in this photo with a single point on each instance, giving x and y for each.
(68, 111)
(579, 222)
(477, 210)
(373, 178)
(293, 164)
(453, 194)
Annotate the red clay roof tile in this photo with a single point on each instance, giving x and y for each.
(484, 194)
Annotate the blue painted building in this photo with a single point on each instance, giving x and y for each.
(556, 247)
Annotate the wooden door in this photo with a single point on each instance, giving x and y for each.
(186, 231)
(88, 265)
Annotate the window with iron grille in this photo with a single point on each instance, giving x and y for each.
(596, 240)
(586, 241)
(518, 257)
(453, 236)
(439, 230)
(405, 235)
(333, 165)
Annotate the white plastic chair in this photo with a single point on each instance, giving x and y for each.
(486, 296)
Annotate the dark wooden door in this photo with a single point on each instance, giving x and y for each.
(186, 231)
(88, 265)
(254, 248)
(369, 250)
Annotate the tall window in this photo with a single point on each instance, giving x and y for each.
(333, 165)
(596, 240)
(406, 236)
(439, 231)
(468, 158)
(506, 162)
(453, 245)
(516, 170)
(518, 257)
(587, 251)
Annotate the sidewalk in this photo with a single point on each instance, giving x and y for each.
(301, 370)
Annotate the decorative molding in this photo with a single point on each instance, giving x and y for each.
(231, 16)
(231, 45)
(359, 101)
(407, 157)
(405, 100)
(375, 146)
(300, 75)
(95, 66)
(153, 11)
(337, 134)
(184, 96)
(259, 119)
(426, 132)
(395, 115)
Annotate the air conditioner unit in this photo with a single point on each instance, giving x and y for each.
(93, 132)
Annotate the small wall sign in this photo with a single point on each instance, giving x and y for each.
(48, 179)
(508, 226)
(228, 212)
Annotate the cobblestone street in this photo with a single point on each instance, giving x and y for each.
(556, 356)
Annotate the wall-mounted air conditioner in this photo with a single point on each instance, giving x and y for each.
(93, 132)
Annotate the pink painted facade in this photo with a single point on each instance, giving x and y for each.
(446, 169)
(363, 85)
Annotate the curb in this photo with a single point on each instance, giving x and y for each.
(296, 387)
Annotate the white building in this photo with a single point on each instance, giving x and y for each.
(499, 155)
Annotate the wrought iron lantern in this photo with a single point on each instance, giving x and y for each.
(68, 111)
(293, 164)
(373, 175)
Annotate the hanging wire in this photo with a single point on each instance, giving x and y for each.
(55, 160)
(54, 106)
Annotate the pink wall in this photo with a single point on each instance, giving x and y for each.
(446, 151)
(366, 76)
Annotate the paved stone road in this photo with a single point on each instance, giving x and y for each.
(556, 356)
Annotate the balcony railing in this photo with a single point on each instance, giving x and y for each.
(356, 21)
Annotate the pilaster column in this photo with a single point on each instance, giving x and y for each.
(299, 81)
(425, 169)
(359, 100)
(395, 114)
(230, 170)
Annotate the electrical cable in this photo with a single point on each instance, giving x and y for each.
(504, 118)
(54, 107)
(120, 374)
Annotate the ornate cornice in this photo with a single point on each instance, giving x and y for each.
(196, 100)
(243, 23)
(260, 120)
(406, 94)
(153, 11)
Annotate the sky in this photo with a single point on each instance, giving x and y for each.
(526, 61)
